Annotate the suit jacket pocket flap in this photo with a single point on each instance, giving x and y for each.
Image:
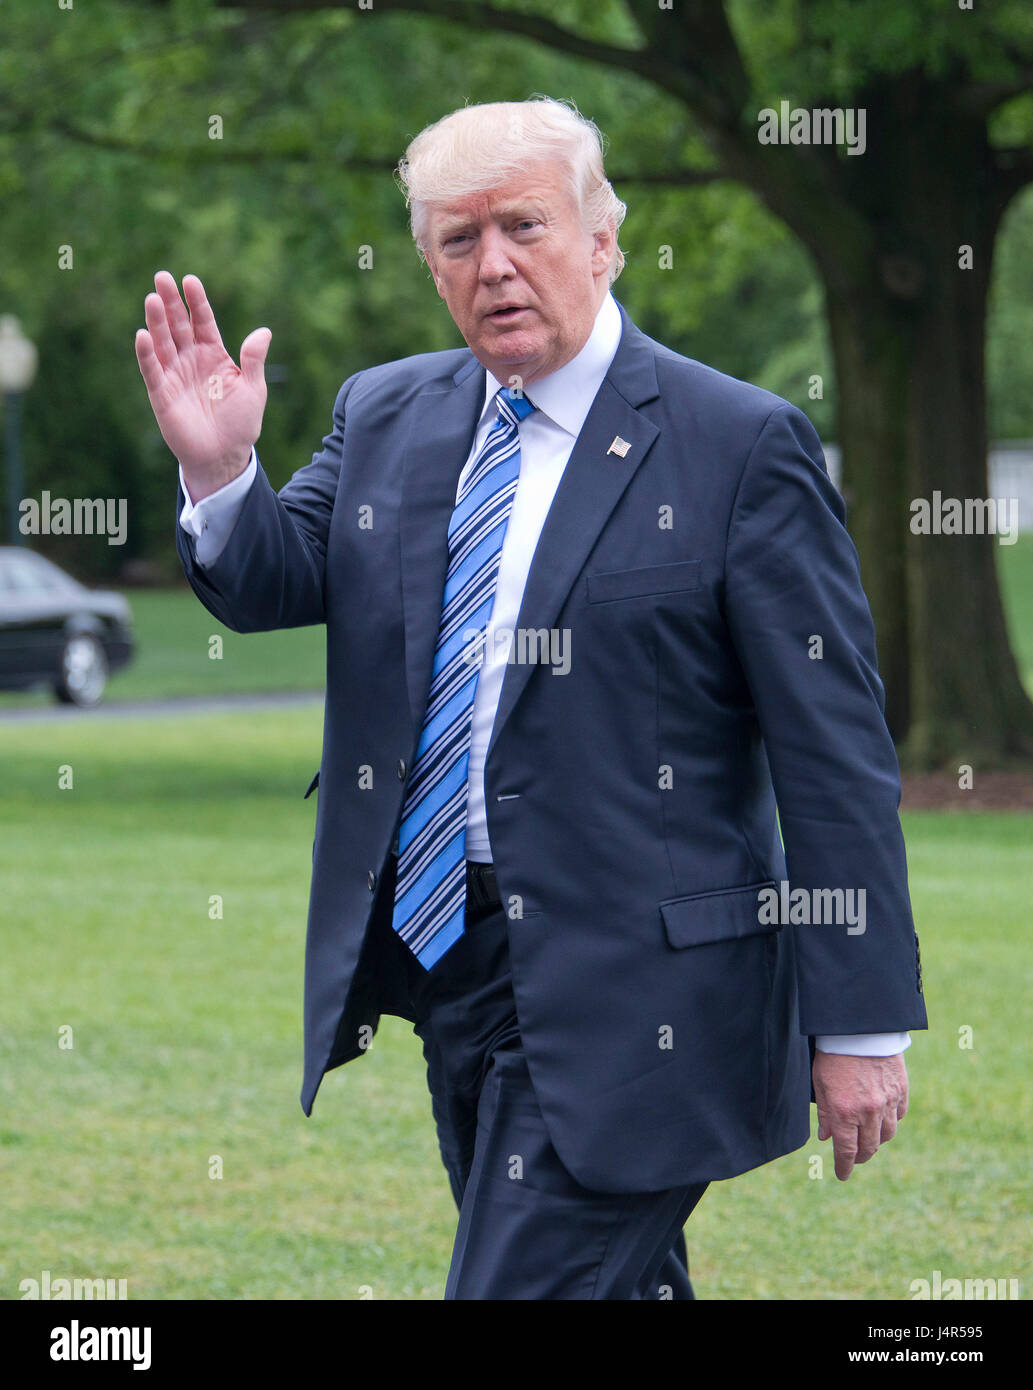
(722, 915)
(640, 583)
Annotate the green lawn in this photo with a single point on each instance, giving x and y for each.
(187, 1049)
(173, 634)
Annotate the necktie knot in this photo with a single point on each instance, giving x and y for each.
(513, 405)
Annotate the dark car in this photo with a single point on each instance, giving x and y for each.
(56, 632)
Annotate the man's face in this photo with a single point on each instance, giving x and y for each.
(520, 275)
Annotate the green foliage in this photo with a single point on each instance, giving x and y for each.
(811, 50)
(1010, 340)
(105, 116)
(741, 294)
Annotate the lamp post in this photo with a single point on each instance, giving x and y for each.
(18, 360)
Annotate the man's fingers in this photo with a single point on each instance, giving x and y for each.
(150, 367)
(206, 330)
(844, 1149)
(868, 1137)
(857, 1141)
(824, 1128)
(252, 356)
(860, 1102)
(844, 1139)
(175, 310)
(158, 328)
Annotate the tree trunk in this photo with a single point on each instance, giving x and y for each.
(908, 331)
(872, 376)
(968, 704)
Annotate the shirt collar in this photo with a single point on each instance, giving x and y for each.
(566, 395)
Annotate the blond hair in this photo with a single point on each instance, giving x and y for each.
(480, 147)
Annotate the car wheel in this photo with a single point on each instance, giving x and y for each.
(84, 671)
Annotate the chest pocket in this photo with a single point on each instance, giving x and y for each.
(643, 583)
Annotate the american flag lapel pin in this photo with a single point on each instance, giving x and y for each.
(619, 446)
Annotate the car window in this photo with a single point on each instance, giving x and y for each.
(31, 574)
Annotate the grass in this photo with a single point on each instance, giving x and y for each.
(173, 634)
(187, 1031)
(950, 1192)
(187, 1054)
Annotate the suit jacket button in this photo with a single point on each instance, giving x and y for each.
(371, 879)
(401, 769)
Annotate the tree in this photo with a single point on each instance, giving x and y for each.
(902, 237)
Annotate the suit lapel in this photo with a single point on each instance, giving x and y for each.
(445, 418)
(592, 484)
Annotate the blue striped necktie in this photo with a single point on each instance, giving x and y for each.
(430, 892)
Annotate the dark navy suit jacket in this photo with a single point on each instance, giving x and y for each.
(631, 802)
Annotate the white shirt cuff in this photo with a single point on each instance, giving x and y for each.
(211, 520)
(863, 1044)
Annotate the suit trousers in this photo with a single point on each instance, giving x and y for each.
(527, 1229)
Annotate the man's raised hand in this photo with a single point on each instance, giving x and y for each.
(208, 409)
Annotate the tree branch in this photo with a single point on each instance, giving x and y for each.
(215, 152)
(696, 40)
(472, 13)
(691, 52)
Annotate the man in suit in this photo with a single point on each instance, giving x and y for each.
(592, 614)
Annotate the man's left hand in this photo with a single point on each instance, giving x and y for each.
(860, 1100)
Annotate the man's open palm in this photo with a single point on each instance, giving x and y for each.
(208, 409)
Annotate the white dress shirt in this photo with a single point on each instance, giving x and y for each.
(562, 401)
